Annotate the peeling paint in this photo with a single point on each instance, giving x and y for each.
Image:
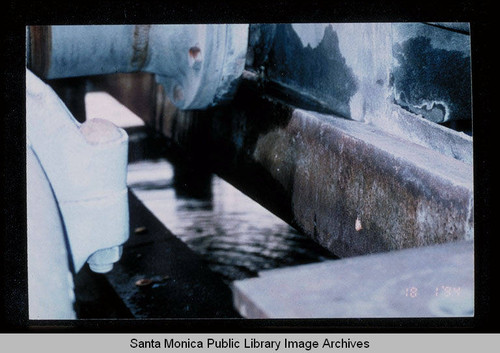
(432, 82)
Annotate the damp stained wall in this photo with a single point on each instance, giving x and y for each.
(409, 79)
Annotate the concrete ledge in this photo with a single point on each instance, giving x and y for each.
(358, 190)
(435, 281)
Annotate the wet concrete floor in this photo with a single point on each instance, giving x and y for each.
(235, 235)
(158, 276)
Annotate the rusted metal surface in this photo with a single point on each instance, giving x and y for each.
(435, 281)
(140, 46)
(40, 47)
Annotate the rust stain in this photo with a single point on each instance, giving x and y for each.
(140, 46)
(143, 282)
(194, 52)
(41, 49)
(140, 230)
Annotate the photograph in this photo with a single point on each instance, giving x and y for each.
(224, 177)
(305, 170)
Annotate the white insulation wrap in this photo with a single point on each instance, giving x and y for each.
(86, 165)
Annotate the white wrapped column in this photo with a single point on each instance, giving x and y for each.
(86, 165)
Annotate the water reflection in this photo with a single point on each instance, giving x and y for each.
(236, 236)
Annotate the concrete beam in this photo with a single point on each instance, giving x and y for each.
(358, 190)
(435, 281)
(352, 187)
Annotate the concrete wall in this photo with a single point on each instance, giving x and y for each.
(374, 73)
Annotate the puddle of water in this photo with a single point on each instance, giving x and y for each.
(234, 234)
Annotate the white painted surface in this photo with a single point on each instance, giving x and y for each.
(103, 106)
